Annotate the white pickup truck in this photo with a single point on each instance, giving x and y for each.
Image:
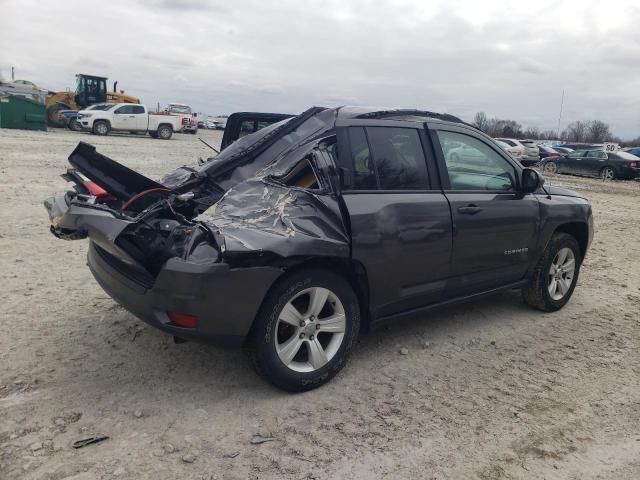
(128, 117)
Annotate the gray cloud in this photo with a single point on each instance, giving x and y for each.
(510, 59)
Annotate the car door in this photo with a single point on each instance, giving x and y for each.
(494, 223)
(593, 162)
(139, 117)
(572, 163)
(122, 118)
(399, 219)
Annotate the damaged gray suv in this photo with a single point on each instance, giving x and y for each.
(297, 237)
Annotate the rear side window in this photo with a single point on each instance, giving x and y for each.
(137, 109)
(387, 158)
(364, 173)
(596, 154)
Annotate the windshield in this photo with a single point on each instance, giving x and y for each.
(179, 109)
(102, 106)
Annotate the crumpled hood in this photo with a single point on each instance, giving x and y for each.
(565, 192)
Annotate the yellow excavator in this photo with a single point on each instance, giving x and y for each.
(89, 91)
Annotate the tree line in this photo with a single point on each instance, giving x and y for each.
(580, 131)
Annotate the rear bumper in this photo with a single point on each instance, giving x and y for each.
(225, 300)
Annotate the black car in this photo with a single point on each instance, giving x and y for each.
(297, 237)
(595, 163)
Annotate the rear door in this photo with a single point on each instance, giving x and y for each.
(240, 124)
(494, 224)
(593, 162)
(139, 117)
(400, 221)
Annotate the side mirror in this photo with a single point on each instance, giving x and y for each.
(531, 180)
(195, 114)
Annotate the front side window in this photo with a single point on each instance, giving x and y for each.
(125, 109)
(474, 165)
(577, 154)
(364, 173)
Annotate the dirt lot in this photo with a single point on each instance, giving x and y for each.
(489, 389)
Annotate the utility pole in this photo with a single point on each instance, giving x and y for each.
(13, 73)
(560, 116)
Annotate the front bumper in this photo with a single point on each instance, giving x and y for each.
(225, 300)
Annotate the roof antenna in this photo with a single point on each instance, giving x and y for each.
(208, 145)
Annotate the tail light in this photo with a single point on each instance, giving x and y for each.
(97, 191)
(183, 320)
(632, 164)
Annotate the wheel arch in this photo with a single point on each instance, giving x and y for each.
(351, 270)
(579, 231)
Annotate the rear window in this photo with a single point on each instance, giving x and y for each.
(627, 156)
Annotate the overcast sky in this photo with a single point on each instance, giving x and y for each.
(511, 59)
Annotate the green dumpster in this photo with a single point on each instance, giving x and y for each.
(22, 113)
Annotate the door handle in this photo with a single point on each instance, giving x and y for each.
(132, 116)
(469, 210)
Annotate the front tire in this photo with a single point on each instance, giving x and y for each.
(550, 168)
(305, 330)
(101, 128)
(556, 274)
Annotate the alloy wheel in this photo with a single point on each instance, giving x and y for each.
(561, 273)
(607, 174)
(551, 167)
(310, 329)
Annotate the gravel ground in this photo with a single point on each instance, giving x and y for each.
(489, 389)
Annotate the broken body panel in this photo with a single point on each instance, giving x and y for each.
(204, 233)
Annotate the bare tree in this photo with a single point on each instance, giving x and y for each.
(480, 121)
(576, 132)
(598, 131)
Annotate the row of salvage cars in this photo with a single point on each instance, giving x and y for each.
(298, 237)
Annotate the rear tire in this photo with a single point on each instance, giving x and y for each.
(556, 274)
(164, 132)
(100, 127)
(607, 173)
(305, 330)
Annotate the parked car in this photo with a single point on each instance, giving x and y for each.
(201, 124)
(531, 154)
(299, 236)
(187, 117)
(547, 152)
(516, 144)
(595, 163)
(515, 152)
(583, 146)
(562, 150)
(128, 117)
(633, 151)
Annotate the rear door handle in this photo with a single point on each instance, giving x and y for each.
(469, 210)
